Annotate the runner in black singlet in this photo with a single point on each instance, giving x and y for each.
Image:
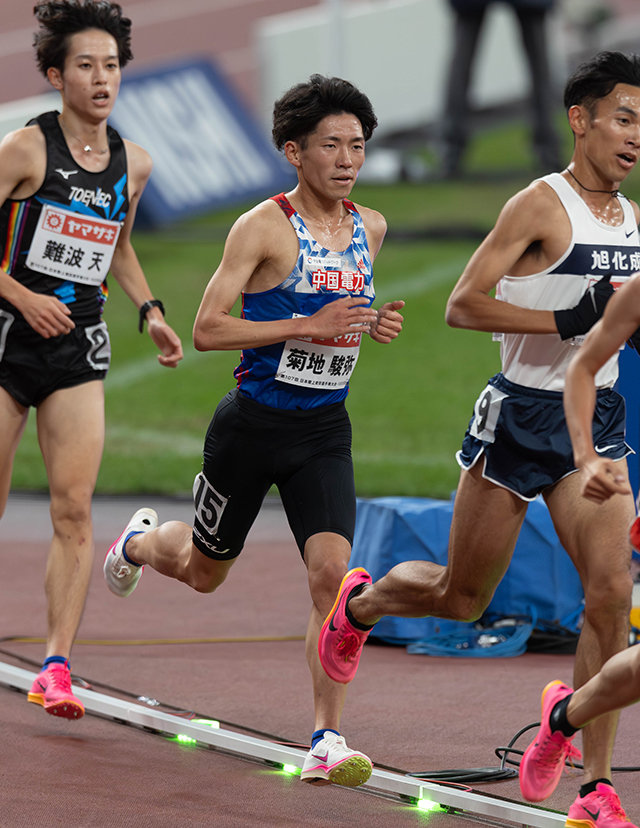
(69, 189)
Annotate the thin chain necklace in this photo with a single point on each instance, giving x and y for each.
(612, 193)
(86, 147)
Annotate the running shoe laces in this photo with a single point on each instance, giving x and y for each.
(60, 678)
(123, 571)
(555, 749)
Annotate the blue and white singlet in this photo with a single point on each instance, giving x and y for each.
(307, 373)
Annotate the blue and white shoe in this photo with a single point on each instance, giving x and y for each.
(121, 576)
(332, 761)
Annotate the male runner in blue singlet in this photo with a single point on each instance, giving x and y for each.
(557, 251)
(302, 263)
(69, 189)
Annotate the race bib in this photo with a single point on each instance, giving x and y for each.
(323, 364)
(6, 321)
(485, 414)
(73, 247)
(99, 352)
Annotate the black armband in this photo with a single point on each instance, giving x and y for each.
(145, 308)
(579, 320)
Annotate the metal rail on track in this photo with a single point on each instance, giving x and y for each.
(407, 787)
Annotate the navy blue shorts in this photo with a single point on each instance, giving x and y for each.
(523, 435)
(250, 447)
(32, 367)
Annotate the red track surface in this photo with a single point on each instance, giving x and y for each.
(408, 712)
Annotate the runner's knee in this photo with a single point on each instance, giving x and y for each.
(325, 578)
(72, 508)
(607, 598)
(465, 606)
(201, 573)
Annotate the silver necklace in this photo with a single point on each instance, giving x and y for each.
(86, 147)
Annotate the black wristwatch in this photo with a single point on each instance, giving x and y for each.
(145, 308)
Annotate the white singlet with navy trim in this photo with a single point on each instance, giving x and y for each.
(540, 360)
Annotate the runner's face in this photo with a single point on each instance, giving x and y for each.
(333, 155)
(91, 78)
(613, 134)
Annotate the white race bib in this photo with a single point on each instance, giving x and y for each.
(486, 412)
(72, 246)
(323, 364)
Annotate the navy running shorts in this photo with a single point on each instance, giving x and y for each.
(523, 435)
(250, 447)
(32, 367)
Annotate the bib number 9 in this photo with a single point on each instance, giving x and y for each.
(485, 414)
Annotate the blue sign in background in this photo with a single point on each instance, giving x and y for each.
(207, 150)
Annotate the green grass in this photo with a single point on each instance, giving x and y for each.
(410, 401)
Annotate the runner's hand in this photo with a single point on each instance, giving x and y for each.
(47, 315)
(602, 478)
(167, 341)
(347, 315)
(388, 323)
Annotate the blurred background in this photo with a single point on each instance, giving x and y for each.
(469, 100)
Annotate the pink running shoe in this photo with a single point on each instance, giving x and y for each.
(52, 690)
(601, 809)
(543, 761)
(340, 643)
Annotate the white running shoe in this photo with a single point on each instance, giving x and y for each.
(121, 576)
(332, 761)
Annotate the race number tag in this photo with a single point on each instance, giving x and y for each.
(323, 364)
(73, 246)
(486, 412)
(6, 321)
(209, 503)
(99, 353)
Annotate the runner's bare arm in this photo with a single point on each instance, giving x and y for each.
(530, 218)
(601, 476)
(375, 226)
(255, 245)
(388, 324)
(22, 169)
(126, 267)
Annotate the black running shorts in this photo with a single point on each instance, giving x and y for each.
(522, 434)
(32, 367)
(248, 448)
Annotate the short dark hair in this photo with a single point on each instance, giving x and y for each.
(60, 19)
(299, 111)
(597, 77)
